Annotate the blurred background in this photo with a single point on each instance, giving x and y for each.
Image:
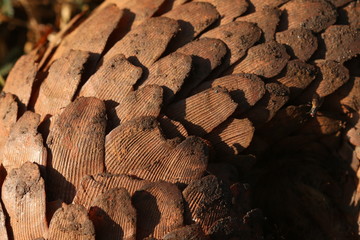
(25, 24)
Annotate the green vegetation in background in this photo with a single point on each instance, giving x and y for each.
(15, 28)
(9, 62)
(6, 8)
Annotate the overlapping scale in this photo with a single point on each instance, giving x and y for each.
(183, 88)
(140, 9)
(113, 80)
(207, 54)
(259, 4)
(207, 202)
(322, 125)
(23, 73)
(92, 35)
(184, 164)
(245, 89)
(315, 15)
(61, 84)
(24, 143)
(267, 60)
(146, 101)
(297, 77)
(190, 232)
(332, 75)
(352, 13)
(238, 37)
(342, 43)
(159, 208)
(286, 121)
(94, 186)
(193, 18)
(23, 195)
(113, 215)
(76, 147)
(170, 73)
(142, 46)
(71, 222)
(302, 42)
(8, 116)
(171, 128)
(229, 10)
(267, 18)
(138, 148)
(232, 136)
(204, 111)
(275, 97)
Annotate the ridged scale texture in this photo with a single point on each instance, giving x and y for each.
(24, 143)
(71, 222)
(76, 144)
(94, 186)
(160, 209)
(138, 148)
(167, 69)
(23, 194)
(113, 215)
